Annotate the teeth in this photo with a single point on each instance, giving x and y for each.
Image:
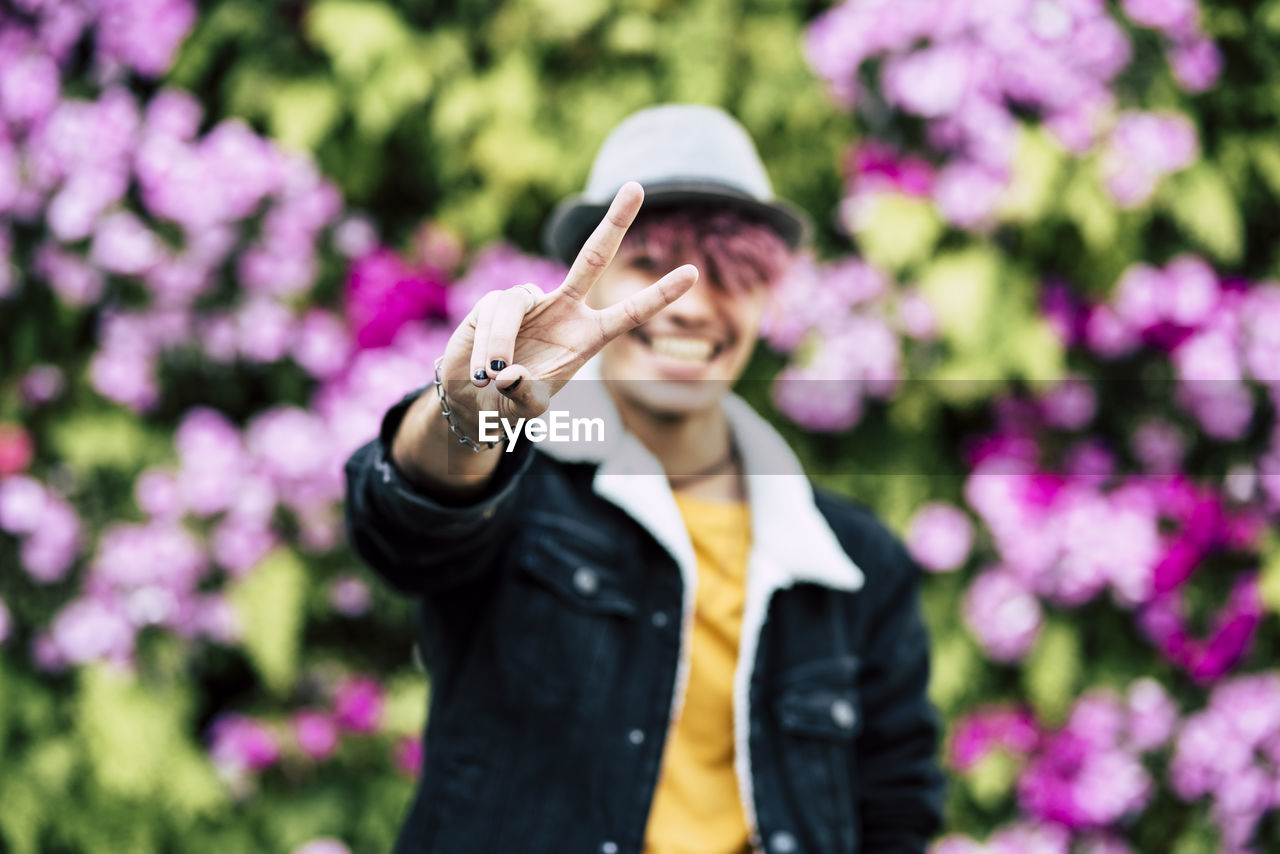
(688, 349)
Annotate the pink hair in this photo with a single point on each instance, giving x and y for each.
(729, 248)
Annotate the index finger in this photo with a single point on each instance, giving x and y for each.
(603, 243)
(639, 307)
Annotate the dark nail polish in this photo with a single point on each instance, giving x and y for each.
(513, 386)
(497, 365)
(480, 374)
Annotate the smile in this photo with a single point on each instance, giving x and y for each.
(683, 348)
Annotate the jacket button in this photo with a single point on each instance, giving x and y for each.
(782, 843)
(586, 581)
(636, 736)
(660, 619)
(608, 848)
(843, 713)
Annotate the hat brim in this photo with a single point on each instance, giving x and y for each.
(573, 220)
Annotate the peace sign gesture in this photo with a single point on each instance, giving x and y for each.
(520, 346)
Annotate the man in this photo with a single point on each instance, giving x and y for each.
(659, 639)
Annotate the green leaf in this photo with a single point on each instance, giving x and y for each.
(1051, 673)
(135, 738)
(991, 780)
(898, 231)
(1036, 170)
(303, 112)
(1202, 204)
(269, 604)
(1269, 582)
(405, 710)
(106, 439)
(962, 289)
(1093, 213)
(953, 671)
(356, 34)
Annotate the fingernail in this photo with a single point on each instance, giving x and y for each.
(512, 387)
(497, 365)
(480, 374)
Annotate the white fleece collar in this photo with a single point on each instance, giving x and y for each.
(790, 539)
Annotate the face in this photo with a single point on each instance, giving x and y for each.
(688, 356)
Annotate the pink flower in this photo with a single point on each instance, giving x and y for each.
(1143, 148)
(16, 450)
(1069, 404)
(316, 734)
(1152, 715)
(323, 345)
(408, 756)
(1002, 614)
(143, 34)
(1197, 64)
(323, 845)
(42, 384)
(349, 596)
(940, 537)
(383, 294)
(1175, 18)
(358, 705)
(90, 629)
(967, 193)
(238, 743)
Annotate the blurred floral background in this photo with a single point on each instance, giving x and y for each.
(234, 232)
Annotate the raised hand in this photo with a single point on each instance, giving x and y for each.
(519, 346)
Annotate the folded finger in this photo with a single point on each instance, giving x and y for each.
(480, 343)
(508, 314)
(530, 396)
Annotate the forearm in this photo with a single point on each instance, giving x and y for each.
(431, 458)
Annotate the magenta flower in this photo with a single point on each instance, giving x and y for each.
(16, 449)
(358, 705)
(238, 743)
(383, 294)
(1196, 64)
(940, 537)
(316, 734)
(407, 756)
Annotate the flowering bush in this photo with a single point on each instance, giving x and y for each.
(1038, 336)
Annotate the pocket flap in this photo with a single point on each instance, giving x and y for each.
(820, 700)
(580, 572)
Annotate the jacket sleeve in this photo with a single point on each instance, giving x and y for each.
(416, 544)
(903, 787)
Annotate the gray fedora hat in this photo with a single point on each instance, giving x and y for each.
(682, 154)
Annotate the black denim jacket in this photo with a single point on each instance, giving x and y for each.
(551, 623)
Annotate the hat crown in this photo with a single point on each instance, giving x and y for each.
(678, 143)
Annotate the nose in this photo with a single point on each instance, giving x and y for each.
(697, 306)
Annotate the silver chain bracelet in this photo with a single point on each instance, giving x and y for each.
(463, 438)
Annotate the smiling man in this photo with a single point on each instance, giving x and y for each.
(664, 641)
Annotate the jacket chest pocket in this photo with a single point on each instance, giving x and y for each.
(819, 717)
(562, 616)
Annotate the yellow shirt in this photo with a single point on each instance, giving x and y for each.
(696, 808)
